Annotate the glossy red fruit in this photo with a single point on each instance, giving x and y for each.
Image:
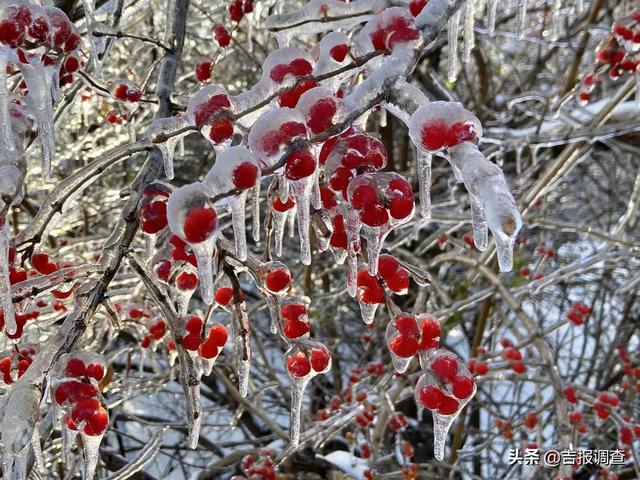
(416, 6)
(445, 367)
(374, 215)
(199, 224)
(298, 365)
(430, 396)
(462, 387)
(404, 347)
(295, 329)
(320, 359)
(448, 405)
(208, 350)
(434, 135)
(339, 52)
(245, 175)
(194, 324)
(369, 289)
(218, 335)
(75, 368)
(300, 164)
(277, 280)
(187, 281)
(203, 70)
(406, 325)
(153, 217)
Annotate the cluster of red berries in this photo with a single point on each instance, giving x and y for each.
(222, 35)
(513, 355)
(377, 205)
(390, 273)
(210, 347)
(127, 92)
(295, 318)
(476, 366)
(79, 396)
(203, 70)
(116, 118)
(153, 211)
(434, 395)
(393, 30)
(260, 468)
(238, 9)
(15, 363)
(617, 51)
(578, 313)
(157, 329)
(408, 334)
(215, 113)
(438, 134)
(315, 360)
(32, 27)
(505, 428)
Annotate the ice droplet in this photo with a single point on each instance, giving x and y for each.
(479, 224)
(521, 15)
(237, 207)
(424, 181)
(441, 426)
(469, 34)
(302, 192)
(492, 10)
(91, 447)
(244, 367)
(5, 286)
(368, 311)
(163, 129)
(452, 33)
(204, 252)
(298, 386)
(255, 202)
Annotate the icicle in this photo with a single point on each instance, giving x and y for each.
(196, 423)
(519, 159)
(203, 252)
(161, 132)
(479, 223)
(492, 7)
(237, 207)
(298, 385)
(255, 196)
(244, 367)
(302, 193)
(91, 447)
(5, 286)
(37, 451)
(534, 154)
(316, 199)
(250, 35)
(469, 34)
(637, 74)
(352, 273)
(424, 182)
(39, 99)
(279, 222)
(452, 58)
(441, 426)
(521, 16)
(6, 137)
(556, 19)
(368, 311)
(182, 301)
(383, 116)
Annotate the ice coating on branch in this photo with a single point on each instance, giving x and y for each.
(19, 416)
(235, 169)
(445, 388)
(491, 200)
(433, 15)
(335, 15)
(303, 361)
(391, 31)
(273, 133)
(211, 110)
(193, 218)
(382, 201)
(469, 34)
(162, 133)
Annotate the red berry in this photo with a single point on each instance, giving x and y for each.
(463, 387)
(374, 215)
(208, 350)
(199, 224)
(416, 6)
(203, 70)
(404, 347)
(320, 359)
(245, 175)
(298, 365)
(187, 281)
(295, 329)
(300, 164)
(445, 367)
(339, 52)
(223, 295)
(154, 217)
(277, 280)
(434, 135)
(75, 368)
(430, 397)
(218, 335)
(406, 325)
(194, 324)
(363, 196)
(448, 405)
